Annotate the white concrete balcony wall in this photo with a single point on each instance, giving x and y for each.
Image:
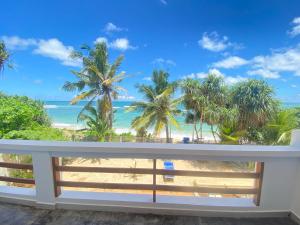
(280, 190)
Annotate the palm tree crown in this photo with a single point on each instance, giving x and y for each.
(160, 109)
(97, 79)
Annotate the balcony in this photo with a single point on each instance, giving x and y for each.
(270, 188)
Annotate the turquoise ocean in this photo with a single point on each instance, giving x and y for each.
(63, 114)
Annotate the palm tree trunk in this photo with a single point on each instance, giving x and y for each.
(213, 133)
(167, 133)
(201, 125)
(111, 112)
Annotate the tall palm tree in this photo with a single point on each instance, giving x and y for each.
(4, 56)
(97, 79)
(255, 102)
(93, 116)
(160, 108)
(194, 101)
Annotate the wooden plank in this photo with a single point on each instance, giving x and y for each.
(259, 168)
(16, 165)
(56, 176)
(17, 180)
(246, 175)
(154, 180)
(219, 190)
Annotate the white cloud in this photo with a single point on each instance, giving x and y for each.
(296, 27)
(122, 44)
(230, 80)
(55, 49)
(264, 73)
(162, 61)
(17, 43)
(293, 85)
(213, 42)
(284, 60)
(231, 62)
(147, 78)
(110, 28)
(164, 2)
(101, 39)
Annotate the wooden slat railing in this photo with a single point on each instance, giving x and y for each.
(20, 166)
(154, 187)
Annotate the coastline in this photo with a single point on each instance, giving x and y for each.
(178, 136)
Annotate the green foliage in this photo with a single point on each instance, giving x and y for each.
(21, 113)
(4, 57)
(159, 108)
(97, 80)
(37, 133)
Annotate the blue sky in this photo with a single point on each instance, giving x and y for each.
(234, 39)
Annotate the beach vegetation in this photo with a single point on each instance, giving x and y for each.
(4, 57)
(160, 108)
(98, 79)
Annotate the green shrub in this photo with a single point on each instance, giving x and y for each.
(21, 113)
(38, 133)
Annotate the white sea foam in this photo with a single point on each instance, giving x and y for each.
(126, 106)
(116, 107)
(50, 106)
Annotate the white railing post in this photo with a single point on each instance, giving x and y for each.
(295, 141)
(44, 184)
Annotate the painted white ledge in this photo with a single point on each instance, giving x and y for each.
(148, 150)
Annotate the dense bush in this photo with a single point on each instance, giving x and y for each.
(37, 133)
(21, 113)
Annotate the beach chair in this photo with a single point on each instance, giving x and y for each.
(168, 165)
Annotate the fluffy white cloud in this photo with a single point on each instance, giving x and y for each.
(296, 27)
(264, 73)
(101, 39)
(231, 62)
(110, 28)
(230, 80)
(55, 49)
(284, 60)
(121, 44)
(162, 61)
(17, 43)
(213, 42)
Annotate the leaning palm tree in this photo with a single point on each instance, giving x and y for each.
(4, 56)
(160, 108)
(255, 102)
(97, 79)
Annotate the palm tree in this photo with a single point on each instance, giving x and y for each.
(255, 102)
(97, 79)
(4, 56)
(160, 108)
(93, 117)
(194, 102)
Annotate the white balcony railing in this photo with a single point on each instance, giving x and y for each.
(278, 190)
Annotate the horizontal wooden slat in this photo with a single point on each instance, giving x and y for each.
(16, 165)
(158, 172)
(17, 180)
(219, 190)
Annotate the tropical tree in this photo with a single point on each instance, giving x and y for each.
(94, 118)
(4, 56)
(194, 102)
(255, 102)
(97, 79)
(159, 108)
(279, 129)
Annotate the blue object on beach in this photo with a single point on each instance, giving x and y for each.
(186, 140)
(168, 165)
